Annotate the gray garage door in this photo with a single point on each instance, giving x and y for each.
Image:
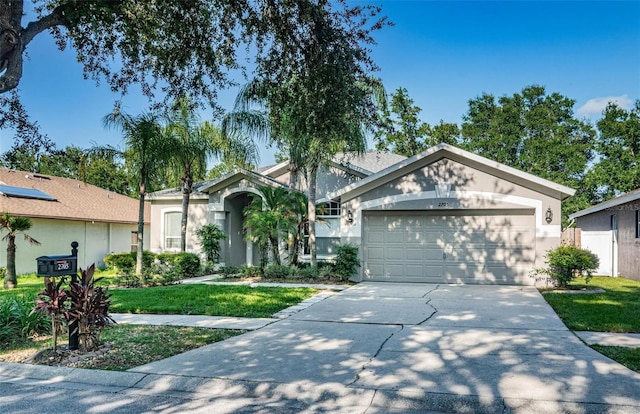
(457, 248)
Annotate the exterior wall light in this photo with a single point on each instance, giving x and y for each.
(350, 216)
(548, 216)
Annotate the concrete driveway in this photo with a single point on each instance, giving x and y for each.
(379, 347)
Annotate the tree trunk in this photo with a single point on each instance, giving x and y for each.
(275, 249)
(312, 214)
(187, 186)
(140, 247)
(10, 279)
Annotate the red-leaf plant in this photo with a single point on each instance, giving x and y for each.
(90, 308)
(51, 301)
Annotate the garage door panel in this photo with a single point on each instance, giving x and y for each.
(456, 248)
(375, 237)
(414, 254)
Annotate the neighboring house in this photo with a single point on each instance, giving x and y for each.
(611, 230)
(64, 210)
(442, 216)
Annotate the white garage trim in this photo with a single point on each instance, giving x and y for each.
(542, 229)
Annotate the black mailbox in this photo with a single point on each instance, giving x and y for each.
(57, 265)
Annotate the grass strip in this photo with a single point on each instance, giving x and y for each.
(629, 357)
(213, 300)
(615, 310)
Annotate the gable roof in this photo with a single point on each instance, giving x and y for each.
(443, 150)
(238, 175)
(202, 189)
(69, 199)
(622, 199)
(363, 165)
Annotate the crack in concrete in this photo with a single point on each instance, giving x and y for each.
(364, 366)
(428, 303)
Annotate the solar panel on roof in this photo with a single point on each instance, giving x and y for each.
(22, 192)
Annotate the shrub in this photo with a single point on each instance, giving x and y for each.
(187, 264)
(126, 262)
(210, 236)
(51, 302)
(3, 272)
(17, 319)
(230, 271)
(276, 271)
(89, 308)
(123, 262)
(307, 272)
(347, 262)
(251, 271)
(566, 263)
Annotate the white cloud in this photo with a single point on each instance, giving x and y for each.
(595, 106)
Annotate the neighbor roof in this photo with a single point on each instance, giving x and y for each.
(70, 199)
(443, 150)
(624, 198)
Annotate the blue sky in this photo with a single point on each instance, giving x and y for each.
(443, 53)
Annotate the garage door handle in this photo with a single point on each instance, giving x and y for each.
(444, 256)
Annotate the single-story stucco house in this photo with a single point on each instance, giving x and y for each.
(444, 215)
(611, 230)
(63, 210)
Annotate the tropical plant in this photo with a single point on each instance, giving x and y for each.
(210, 236)
(567, 262)
(14, 225)
(193, 143)
(51, 301)
(89, 308)
(347, 262)
(17, 319)
(271, 217)
(147, 150)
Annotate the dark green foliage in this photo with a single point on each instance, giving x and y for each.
(310, 272)
(568, 262)
(188, 264)
(347, 262)
(18, 321)
(230, 271)
(126, 262)
(89, 307)
(251, 271)
(210, 236)
(534, 132)
(51, 302)
(123, 262)
(275, 271)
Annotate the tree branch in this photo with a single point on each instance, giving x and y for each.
(56, 18)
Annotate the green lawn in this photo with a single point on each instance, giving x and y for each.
(215, 300)
(616, 310)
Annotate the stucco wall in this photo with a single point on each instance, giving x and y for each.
(469, 189)
(628, 246)
(198, 217)
(95, 240)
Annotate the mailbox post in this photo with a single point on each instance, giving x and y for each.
(62, 265)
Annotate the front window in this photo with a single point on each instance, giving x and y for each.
(330, 209)
(172, 230)
(638, 224)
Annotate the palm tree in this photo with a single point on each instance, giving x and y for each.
(271, 217)
(14, 225)
(193, 143)
(146, 151)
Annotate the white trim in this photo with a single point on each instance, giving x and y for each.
(543, 230)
